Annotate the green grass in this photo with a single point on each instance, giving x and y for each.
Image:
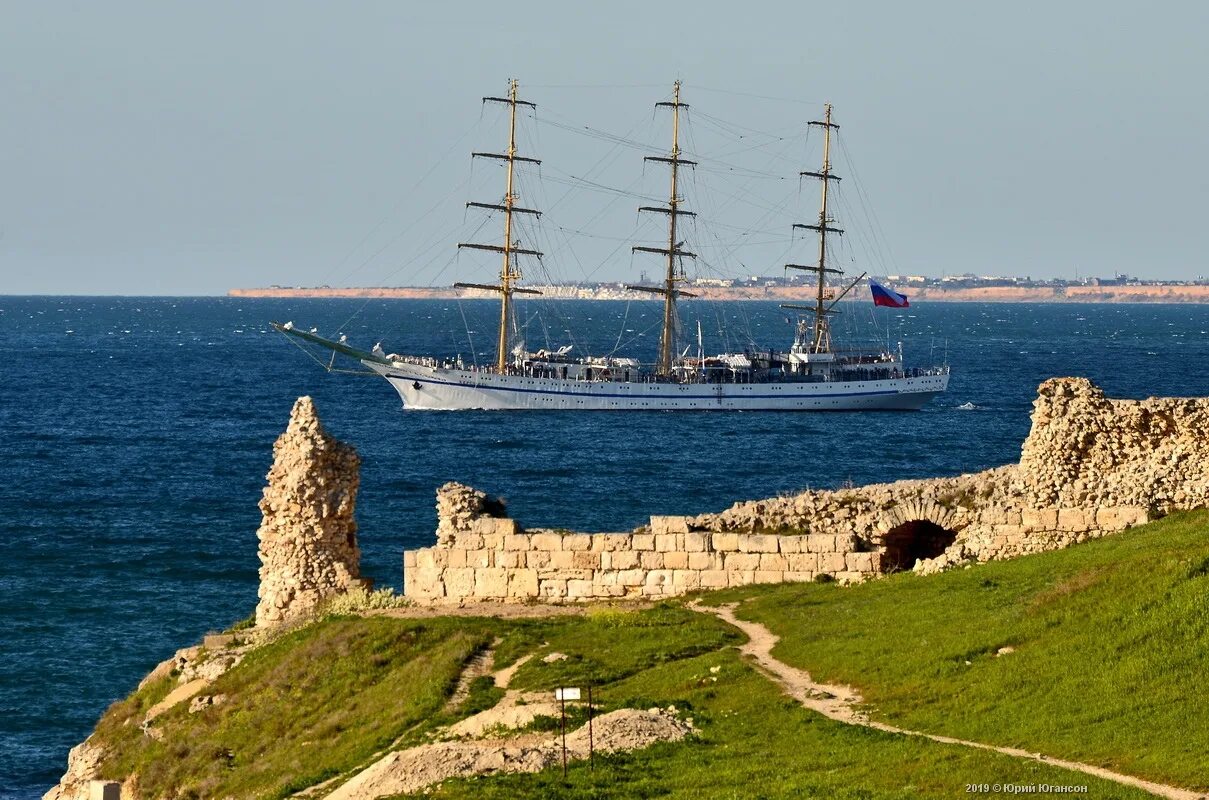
(1111, 638)
(483, 694)
(756, 743)
(309, 706)
(609, 644)
(1109, 667)
(321, 701)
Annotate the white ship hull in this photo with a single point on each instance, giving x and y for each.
(439, 388)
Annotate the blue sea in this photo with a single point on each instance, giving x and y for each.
(135, 434)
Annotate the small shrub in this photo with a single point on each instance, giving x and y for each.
(613, 617)
(243, 625)
(357, 599)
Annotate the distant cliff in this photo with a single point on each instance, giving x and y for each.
(990, 294)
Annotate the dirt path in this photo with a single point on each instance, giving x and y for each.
(516, 708)
(837, 703)
(503, 677)
(479, 665)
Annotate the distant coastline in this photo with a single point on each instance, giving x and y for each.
(1145, 293)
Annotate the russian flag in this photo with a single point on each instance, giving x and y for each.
(887, 297)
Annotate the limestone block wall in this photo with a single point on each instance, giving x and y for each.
(1091, 466)
(494, 559)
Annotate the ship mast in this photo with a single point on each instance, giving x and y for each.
(510, 273)
(675, 273)
(821, 338)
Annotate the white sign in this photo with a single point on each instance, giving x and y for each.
(566, 694)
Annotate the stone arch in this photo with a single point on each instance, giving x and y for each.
(915, 530)
(905, 544)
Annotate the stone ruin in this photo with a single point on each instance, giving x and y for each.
(1089, 467)
(1088, 451)
(308, 533)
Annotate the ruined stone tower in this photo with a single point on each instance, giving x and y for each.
(308, 534)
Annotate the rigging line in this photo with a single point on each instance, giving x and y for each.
(457, 189)
(731, 135)
(745, 229)
(621, 331)
(607, 206)
(595, 85)
(762, 145)
(469, 337)
(582, 183)
(434, 241)
(573, 185)
(592, 273)
(399, 203)
(742, 191)
(556, 244)
(867, 239)
(592, 235)
(609, 157)
(369, 300)
(734, 138)
(733, 129)
(574, 126)
(762, 220)
(326, 366)
(448, 263)
(712, 164)
(595, 133)
(749, 94)
(871, 250)
(309, 354)
(642, 146)
(869, 210)
(738, 143)
(597, 216)
(537, 135)
(452, 258)
(639, 334)
(742, 172)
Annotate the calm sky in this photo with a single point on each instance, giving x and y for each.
(185, 148)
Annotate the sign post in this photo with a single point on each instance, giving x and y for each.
(562, 695)
(591, 746)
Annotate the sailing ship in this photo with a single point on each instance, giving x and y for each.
(813, 374)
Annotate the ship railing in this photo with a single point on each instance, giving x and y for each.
(423, 361)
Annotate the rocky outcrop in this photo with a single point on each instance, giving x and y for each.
(1090, 466)
(411, 770)
(308, 534)
(83, 763)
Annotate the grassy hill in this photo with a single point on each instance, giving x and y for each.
(1110, 653)
(1109, 661)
